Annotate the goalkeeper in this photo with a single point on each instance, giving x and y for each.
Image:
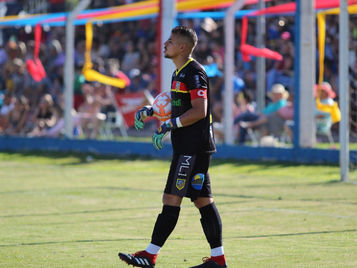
(193, 143)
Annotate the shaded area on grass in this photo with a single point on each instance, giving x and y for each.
(143, 239)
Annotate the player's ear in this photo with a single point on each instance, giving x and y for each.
(183, 46)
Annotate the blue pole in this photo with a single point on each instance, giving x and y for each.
(296, 140)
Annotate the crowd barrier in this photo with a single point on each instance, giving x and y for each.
(146, 149)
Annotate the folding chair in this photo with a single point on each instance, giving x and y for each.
(114, 120)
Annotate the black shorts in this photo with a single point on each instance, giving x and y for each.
(188, 176)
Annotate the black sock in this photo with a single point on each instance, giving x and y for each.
(165, 224)
(212, 225)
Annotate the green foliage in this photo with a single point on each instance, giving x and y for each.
(59, 210)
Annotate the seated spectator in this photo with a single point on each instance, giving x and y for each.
(106, 98)
(44, 117)
(279, 96)
(8, 104)
(218, 101)
(18, 116)
(275, 124)
(137, 81)
(245, 102)
(244, 105)
(89, 111)
(131, 58)
(59, 128)
(327, 111)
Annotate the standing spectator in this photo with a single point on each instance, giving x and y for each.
(144, 62)
(131, 58)
(79, 53)
(18, 76)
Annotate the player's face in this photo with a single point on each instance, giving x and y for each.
(172, 47)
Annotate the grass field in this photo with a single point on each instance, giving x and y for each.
(59, 210)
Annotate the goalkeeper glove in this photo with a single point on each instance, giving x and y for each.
(160, 134)
(162, 131)
(141, 114)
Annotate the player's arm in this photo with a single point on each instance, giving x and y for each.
(194, 114)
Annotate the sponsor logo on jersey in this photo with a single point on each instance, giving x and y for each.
(180, 183)
(198, 93)
(176, 103)
(201, 93)
(197, 181)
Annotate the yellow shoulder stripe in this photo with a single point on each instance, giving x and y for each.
(183, 66)
(179, 91)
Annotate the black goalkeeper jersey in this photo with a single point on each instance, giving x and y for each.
(189, 83)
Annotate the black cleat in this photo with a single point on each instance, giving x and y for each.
(209, 263)
(139, 259)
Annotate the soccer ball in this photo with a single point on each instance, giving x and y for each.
(162, 106)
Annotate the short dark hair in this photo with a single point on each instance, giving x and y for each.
(187, 33)
(247, 95)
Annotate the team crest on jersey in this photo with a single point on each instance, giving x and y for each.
(197, 181)
(178, 85)
(180, 183)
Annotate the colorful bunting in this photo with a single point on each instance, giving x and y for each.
(248, 50)
(149, 8)
(321, 21)
(34, 66)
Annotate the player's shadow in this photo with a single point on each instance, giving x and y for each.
(77, 158)
(144, 239)
(112, 188)
(76, 212)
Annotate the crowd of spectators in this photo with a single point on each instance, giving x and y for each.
(35, 108)
(129, 47)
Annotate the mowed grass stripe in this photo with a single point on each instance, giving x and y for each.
(58, 210)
